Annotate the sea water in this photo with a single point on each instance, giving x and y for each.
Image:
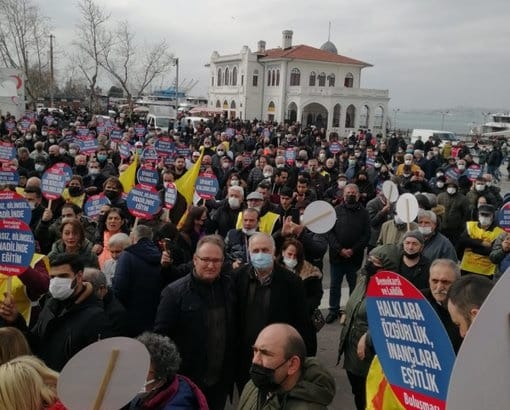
(459, 121)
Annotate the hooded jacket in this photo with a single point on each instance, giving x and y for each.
(315, 390)
(138, 283)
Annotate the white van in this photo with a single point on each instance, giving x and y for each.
(159, 121)
(437, 135)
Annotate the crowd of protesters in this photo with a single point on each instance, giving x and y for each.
(209, 278)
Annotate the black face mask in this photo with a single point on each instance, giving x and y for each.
(371, 269)
(412, 255)
(110, 194)
(75, 190)
(350, 199)
(263, 377)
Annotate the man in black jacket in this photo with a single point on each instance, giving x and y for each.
(197, 313)
(347, 242)
(114, 310)
(267, 293)
(138, 282)
(71, 317)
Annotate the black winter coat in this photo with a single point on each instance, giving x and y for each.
(63, 328)
(182, 316)
(138, 283)
(287, 304)
(351, 231)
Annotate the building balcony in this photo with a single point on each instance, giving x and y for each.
(337, 92)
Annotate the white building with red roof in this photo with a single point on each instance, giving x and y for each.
(314, 86)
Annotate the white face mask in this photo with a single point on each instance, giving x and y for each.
(249, 232)
(290, 263)
(144, 388)
(485, 220)
(479, 187)
(342, 184)
(461, 167)
(398, 221)
(234, 182)
(220, 152)
(234, 203)
(61, 288)
(451, 190)
(440, 184)
(377, 165)
(268, 174)
(425, 230)
(408, 162)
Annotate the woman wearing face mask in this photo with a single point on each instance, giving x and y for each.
(366, 188)
(293, 259)
(75, 192)
(112, 222)
(164, 388)
(193, 229)
(73, 241)
(355, 342)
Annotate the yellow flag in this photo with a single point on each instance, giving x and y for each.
(128, 176)
(186, 184)
(379, 393)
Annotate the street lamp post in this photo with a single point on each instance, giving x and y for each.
(443, 114)
(395, 111)
(176, 89)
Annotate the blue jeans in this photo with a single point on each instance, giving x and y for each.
(337, 272)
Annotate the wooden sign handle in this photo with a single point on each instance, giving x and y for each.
(106, 379)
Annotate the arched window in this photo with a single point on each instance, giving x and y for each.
(273, 80)
(219, 77)
(295, 77)
(255, 78)
(234, 76)
(331, 80)
(336, 115)
(269, 74)
(225, 105)
(350, 116)
(278, 77)
(233, 105)
(322, 79)
(311, 81)
(349, 80)
(218, 104)
(271, 107)
(226, 76)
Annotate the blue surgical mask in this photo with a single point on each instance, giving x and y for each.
(261, 260)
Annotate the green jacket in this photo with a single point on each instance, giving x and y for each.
(314, 391)
(355, 326)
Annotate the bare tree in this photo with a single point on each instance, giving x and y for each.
(24, 35)
(132, 69)
(92, 37)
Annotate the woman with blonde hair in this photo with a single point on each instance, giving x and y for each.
(12, 344)
(29, 374)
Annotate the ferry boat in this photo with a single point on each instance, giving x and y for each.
(499, 125)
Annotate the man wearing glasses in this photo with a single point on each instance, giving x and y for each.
(197, 313)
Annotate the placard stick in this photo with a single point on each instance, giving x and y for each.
(49, 204)
(106, 379)
(408, 216)
(136, 222)
(9, 285)
(316, 218)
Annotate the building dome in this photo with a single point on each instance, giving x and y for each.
(329, 47)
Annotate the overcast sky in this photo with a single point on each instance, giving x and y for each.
(427, 53)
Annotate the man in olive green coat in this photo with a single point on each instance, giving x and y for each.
(281, 375)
